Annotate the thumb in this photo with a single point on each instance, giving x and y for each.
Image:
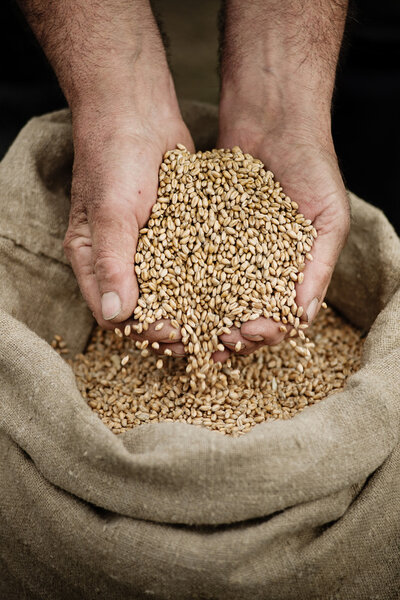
(114, 234)
(318, 272)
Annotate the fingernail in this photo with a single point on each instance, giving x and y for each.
(253, 338)
(312, 309)
(110, 305)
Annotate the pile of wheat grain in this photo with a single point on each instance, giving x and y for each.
(249, 389)
(223, 245)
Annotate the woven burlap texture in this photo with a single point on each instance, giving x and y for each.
(300, 509)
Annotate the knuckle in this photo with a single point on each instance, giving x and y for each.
(77, 234)
(71, 242)
(107, 265)
(272, 340)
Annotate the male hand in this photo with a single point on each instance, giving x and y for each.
(308, 171)
(110, 61)
(278, 70)
(114, 187)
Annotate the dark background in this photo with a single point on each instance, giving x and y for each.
(366, 115)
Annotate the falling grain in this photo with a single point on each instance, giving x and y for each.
(223, 246)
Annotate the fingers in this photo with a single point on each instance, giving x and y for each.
(161, 331)
(78, 249)
(221, 356)
(162, 336)
(332, 225)
(114, 187)
(114, 233)
(317, 274)
(266, 329)
(238, 343)
(311, 293)
(331, 219)
(101, 256)
(177, 350)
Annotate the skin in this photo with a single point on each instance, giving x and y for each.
(110, 61)
(277, 75)
(278, 70)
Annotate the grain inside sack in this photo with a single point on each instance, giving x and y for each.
(223, 245)
(249, 390)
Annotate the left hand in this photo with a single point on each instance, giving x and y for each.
(307, 168)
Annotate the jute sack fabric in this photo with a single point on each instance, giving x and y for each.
(301, 509)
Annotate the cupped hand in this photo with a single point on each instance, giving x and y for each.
(306, 166)
(114, 186)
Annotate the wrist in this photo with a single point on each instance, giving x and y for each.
(264, 103)
(103, 53)
(127, 102)
(278, 66)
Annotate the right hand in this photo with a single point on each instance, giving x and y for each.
(114, 186)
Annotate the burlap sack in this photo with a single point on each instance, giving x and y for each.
(301, 509)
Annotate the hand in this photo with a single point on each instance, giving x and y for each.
(114, 187)
(307, 169)
(110, 62)
(278, 71)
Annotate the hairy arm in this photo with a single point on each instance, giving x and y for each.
(100, 48)
(110, 61)
(280, 57)
(278, 67)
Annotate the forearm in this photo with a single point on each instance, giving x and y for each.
(279, 57)
(104, 52)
